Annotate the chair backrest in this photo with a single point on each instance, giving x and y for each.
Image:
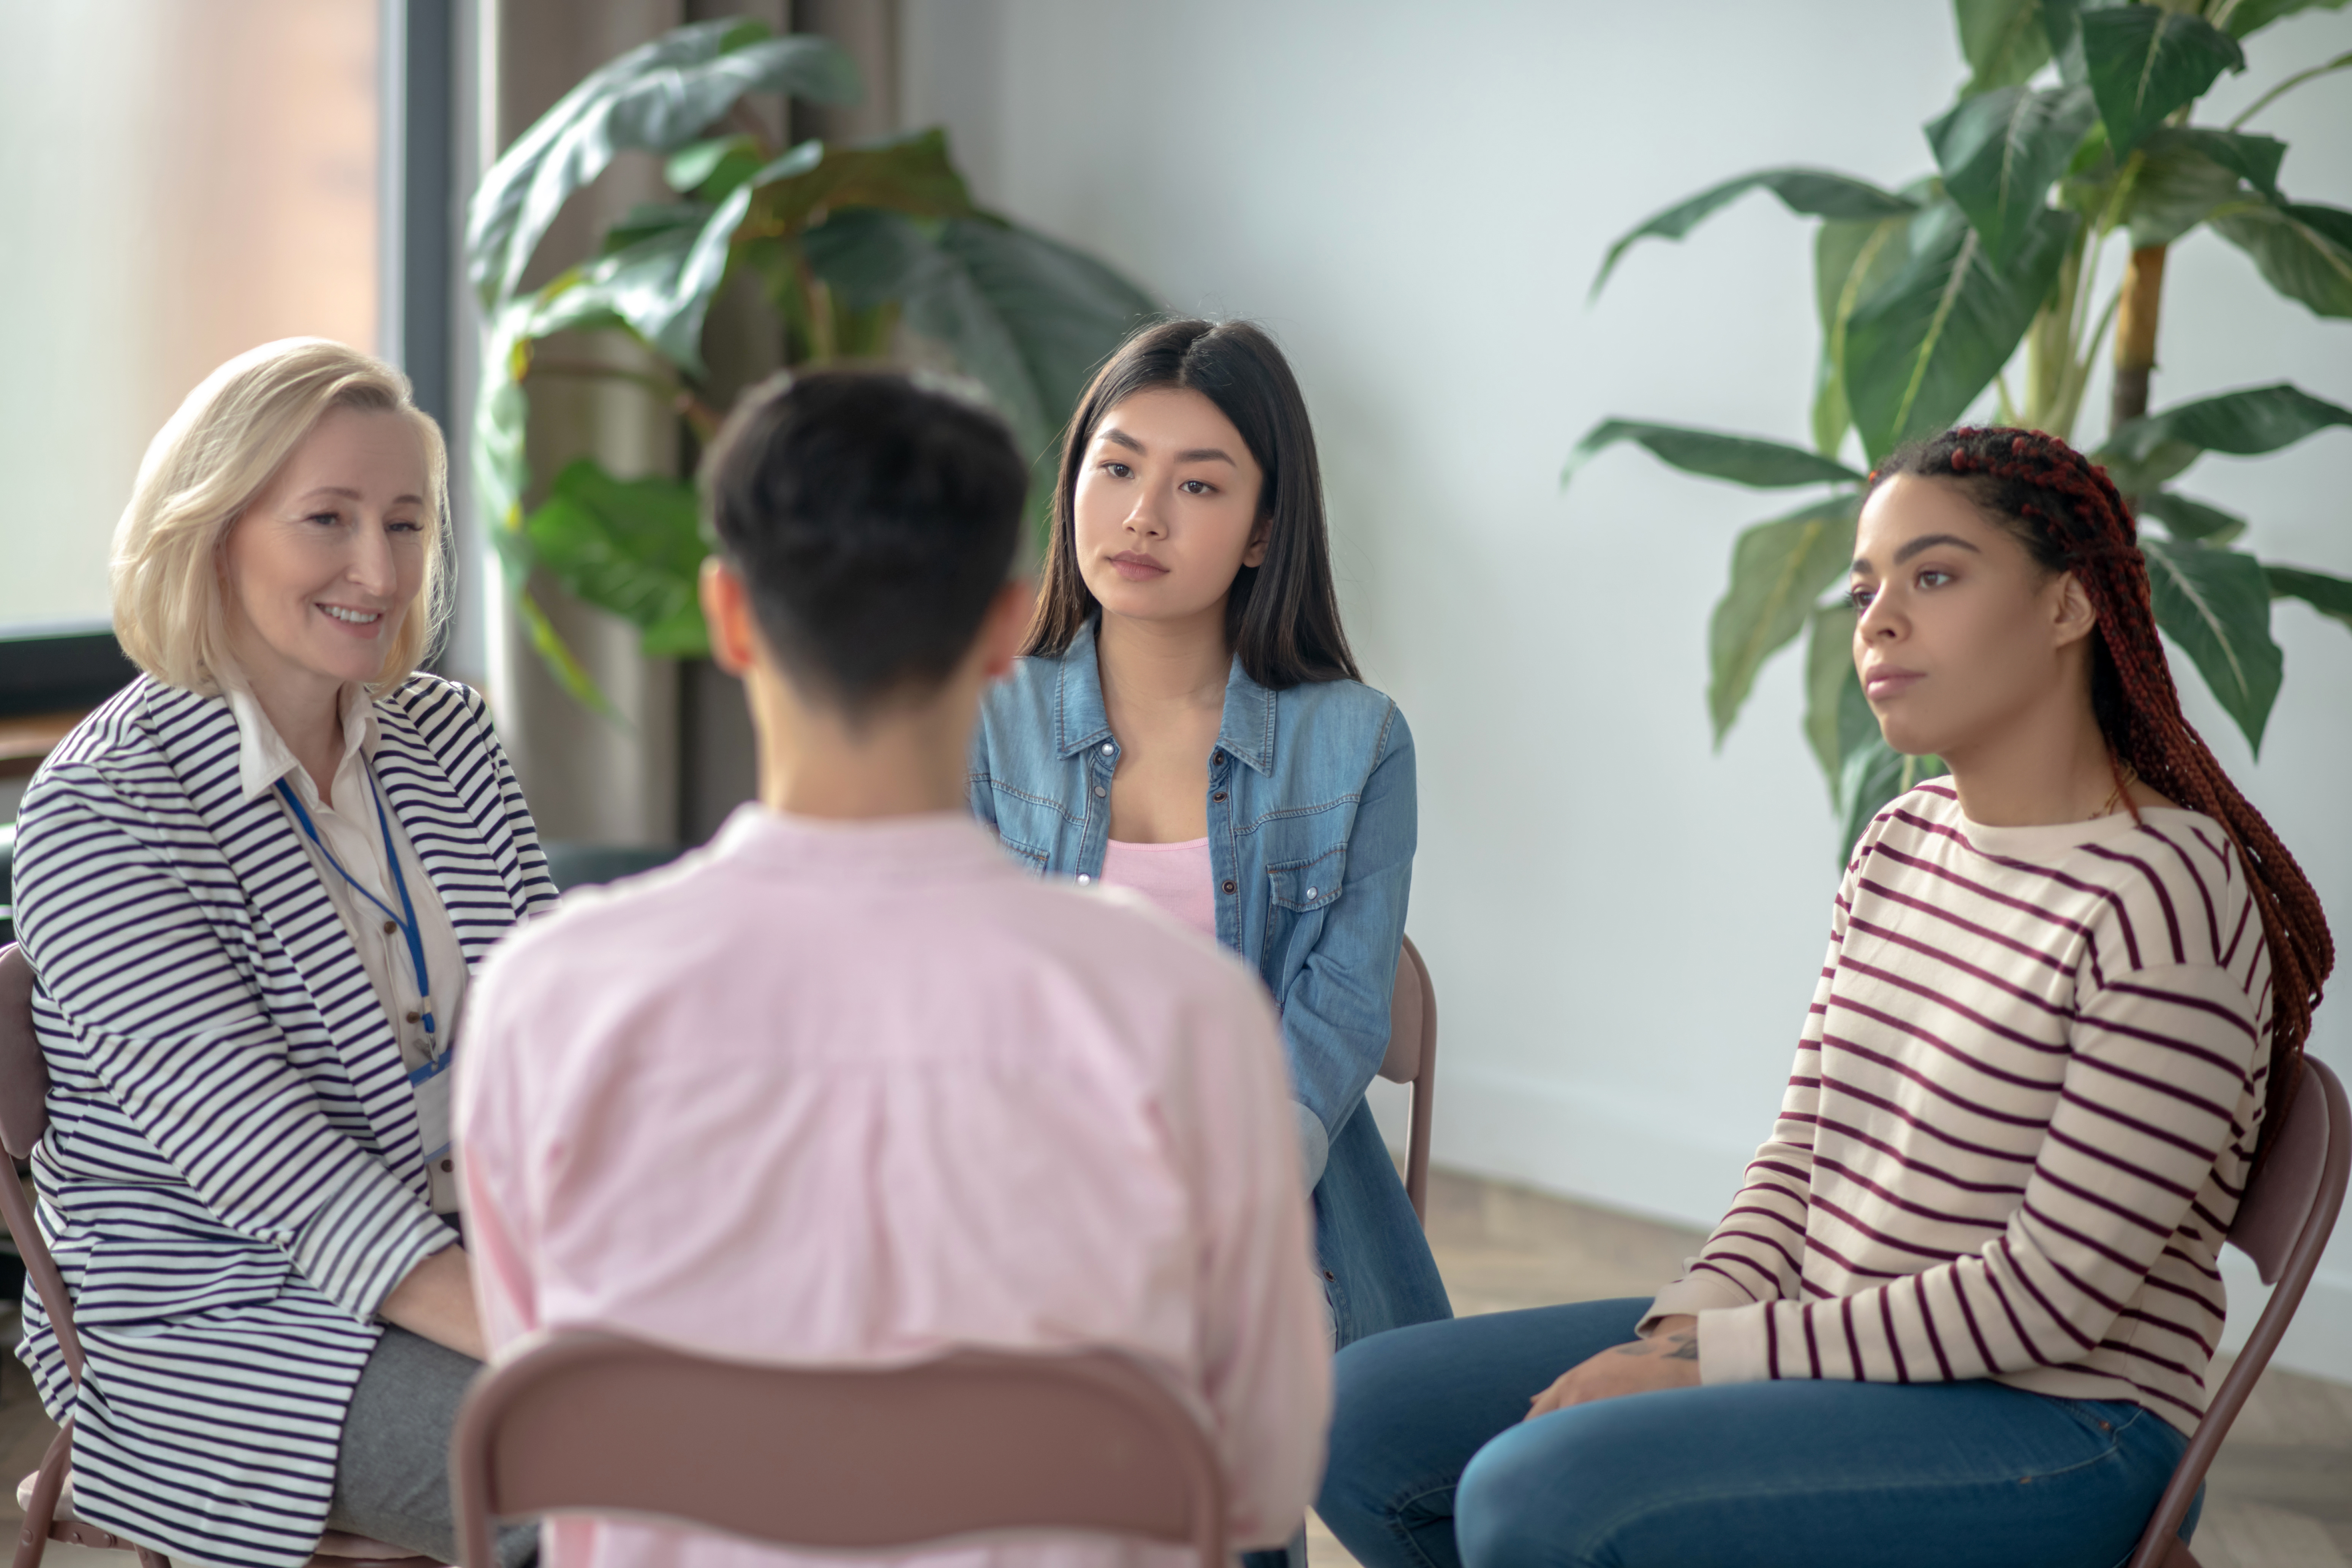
(1411, 1016)
(2278, 1202)
(24, 1074)
(2283, 1224)
(23, 1120)
(1413, 1058)
(834, 1458)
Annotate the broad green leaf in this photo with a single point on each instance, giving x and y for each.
(1875, 773)
(2253, 158)
(1026, 317)
(1063, 311)
(2249, 15)
(654, 98)
(557, 654)
(2216, 606)
(649, 220)
(2303, 249)
(2186, 176)
(1742, 459)
(501, 422)
(1816, 193)
(2145, 61)
(1999, 152)
(911, 174)
(660, 287)
(711, 169)
(2002, 40)
(1838, 717)
(1851, 259)
(1924, 344)
(2244, 423)
(1777, 570)
(2062, 25)
(633, 547)
(2186, 519)
(2331, 597)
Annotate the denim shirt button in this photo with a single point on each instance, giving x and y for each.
(1219, 796)
(1229, 884)
(1084, 879)
(1100, 792)
(1108, 748)
(1310, 892)
(1217, 758)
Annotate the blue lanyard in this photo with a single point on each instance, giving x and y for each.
(405, 918)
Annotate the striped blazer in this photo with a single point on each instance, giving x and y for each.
(232, 1180)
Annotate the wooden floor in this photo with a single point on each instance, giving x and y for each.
(2280, 1496)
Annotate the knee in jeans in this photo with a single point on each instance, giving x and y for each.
(1522, 1500)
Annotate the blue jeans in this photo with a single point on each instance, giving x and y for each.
(1432, 1467)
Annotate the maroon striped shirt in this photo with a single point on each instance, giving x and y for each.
(2022, 1113)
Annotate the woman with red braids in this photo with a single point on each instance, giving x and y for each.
(1964, 1309)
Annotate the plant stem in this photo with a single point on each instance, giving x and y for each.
(2143, 292)
(2050, 346)
(2297, 79)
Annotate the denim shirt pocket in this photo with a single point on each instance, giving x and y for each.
(1313, 884)
(1027, 827)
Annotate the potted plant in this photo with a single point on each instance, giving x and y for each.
(2076, 132)
(855, 250)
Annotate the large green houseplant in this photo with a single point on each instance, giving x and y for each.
(854, 248)
(2074, 132)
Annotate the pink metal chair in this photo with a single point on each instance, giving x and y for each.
(834, 1458)
(2282, 1225)
(1413, 1058)
(45, 1494)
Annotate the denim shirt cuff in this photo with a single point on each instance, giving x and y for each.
(1314, 1143)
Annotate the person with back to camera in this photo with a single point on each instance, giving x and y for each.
(1964, 1310)
(252, 885)
(884, 1095)
(1187, 722)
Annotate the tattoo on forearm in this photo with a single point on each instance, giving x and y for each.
(1682, 1346)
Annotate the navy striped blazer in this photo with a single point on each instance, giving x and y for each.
(232, 1180)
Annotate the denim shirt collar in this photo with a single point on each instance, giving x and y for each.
(1080, 721)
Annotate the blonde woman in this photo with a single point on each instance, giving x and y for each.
(254, 885)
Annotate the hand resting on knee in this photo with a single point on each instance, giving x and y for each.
(1666, 1356)
(436, 1302)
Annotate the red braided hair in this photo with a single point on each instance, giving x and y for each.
(2066, 513)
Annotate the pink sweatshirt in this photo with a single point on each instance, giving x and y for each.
(846, 1093)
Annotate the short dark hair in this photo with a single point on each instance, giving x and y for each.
(872, 520)
(1282, 618)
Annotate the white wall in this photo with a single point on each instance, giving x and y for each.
(1623, 924)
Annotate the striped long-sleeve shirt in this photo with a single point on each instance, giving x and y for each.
(2021, 1116)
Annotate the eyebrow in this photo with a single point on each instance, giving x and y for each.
(1192, 455)
(341, 493)
(1925, 542)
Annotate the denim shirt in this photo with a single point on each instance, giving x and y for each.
(1311, 831)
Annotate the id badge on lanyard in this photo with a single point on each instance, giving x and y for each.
(430, 1084)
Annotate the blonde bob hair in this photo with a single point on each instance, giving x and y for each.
(208, 464)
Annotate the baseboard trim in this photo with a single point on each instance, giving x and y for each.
(1603, 1149)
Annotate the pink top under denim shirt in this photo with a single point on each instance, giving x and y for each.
(859, 1093)
(1175, 877)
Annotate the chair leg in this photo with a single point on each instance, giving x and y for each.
(41, 1508)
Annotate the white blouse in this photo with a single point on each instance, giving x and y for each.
(352, 831)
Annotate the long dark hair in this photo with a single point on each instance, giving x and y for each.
(1282, 617)
(2066, 513)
